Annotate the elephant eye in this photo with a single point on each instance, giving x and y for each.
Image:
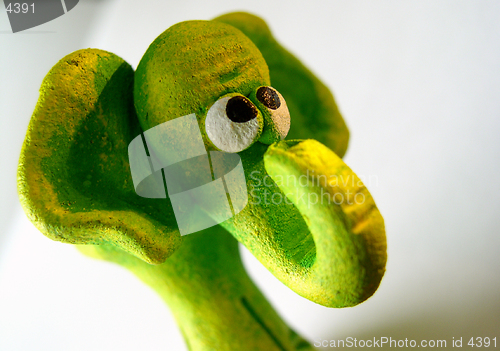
(276, 106)
(269, 97)
(233, 123)
(240, 110)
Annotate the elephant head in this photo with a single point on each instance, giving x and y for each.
(227, 89)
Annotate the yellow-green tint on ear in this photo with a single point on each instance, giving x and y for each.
(74, 179)
(190, 66)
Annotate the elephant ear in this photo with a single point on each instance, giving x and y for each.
(313, 111)
(74, 178)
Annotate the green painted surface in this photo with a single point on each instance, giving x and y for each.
(190, 66)
(75, 185)
(216, 305)
(74, 178)
(311, 104)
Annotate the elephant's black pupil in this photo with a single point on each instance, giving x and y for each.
(269, 98)
(240, 110)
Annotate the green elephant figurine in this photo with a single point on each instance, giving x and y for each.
(324, 238)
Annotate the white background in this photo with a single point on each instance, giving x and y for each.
(418, 83)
